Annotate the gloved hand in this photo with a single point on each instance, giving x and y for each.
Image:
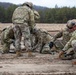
(62, 52)
(51, 44)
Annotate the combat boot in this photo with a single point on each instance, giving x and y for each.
(30, 54)
(60, 54)
(18, 54)
(66, 57)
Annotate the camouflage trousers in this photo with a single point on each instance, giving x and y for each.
(33, 40)
(5, 48)
(26, 35)
(59, 44)
(71, 52)
(17, 36)
(44, 48)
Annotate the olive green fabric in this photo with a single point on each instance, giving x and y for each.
(36, 15)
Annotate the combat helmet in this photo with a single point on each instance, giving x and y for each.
(29, 4)
(70, 24)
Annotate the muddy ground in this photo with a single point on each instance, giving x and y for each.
(38, 64)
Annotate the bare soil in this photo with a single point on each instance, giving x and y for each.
(38, 64)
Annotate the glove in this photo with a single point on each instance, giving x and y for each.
(62, 52)
(51, 44)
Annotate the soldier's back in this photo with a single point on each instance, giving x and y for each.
(21, 14)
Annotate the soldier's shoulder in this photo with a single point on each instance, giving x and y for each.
(21, 7)
(65, 29)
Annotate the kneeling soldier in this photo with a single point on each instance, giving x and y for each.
(9, 36)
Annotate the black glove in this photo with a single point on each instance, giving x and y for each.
(31, 30)
(51, 44)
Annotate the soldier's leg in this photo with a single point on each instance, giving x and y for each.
(41, 47)
(74, 47)
(17, 35)
(59, 44)
(33, 40)
(46, 49)
(5, 48)
(27, 40)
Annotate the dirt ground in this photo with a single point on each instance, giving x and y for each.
(38, 64)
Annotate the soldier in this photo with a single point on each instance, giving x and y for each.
(65, 34)
(8, 37)
(42, 40)
(69, 50)
(23, 16)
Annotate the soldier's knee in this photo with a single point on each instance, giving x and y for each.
(5, 50)
(73, 43)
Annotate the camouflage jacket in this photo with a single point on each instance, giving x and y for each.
(65, 34)
(7, 35)
(36, 15)
(68, 45)
(23, 14)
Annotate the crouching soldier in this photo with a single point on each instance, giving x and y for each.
(43, 39)
(8, 37)
(65, 35)
(69, 50)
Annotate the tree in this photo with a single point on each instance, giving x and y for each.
(9, 13)
(2, 14)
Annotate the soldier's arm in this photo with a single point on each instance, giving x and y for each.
(6, 37)
(36, 15)
(32, 20)
(58, 35)
(37, 44)
(68, 45)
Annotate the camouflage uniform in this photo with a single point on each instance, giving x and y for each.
(69, 50)
(42, 40)
(65, 34)
(36, 16)
(8, 37)
(23, 16)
